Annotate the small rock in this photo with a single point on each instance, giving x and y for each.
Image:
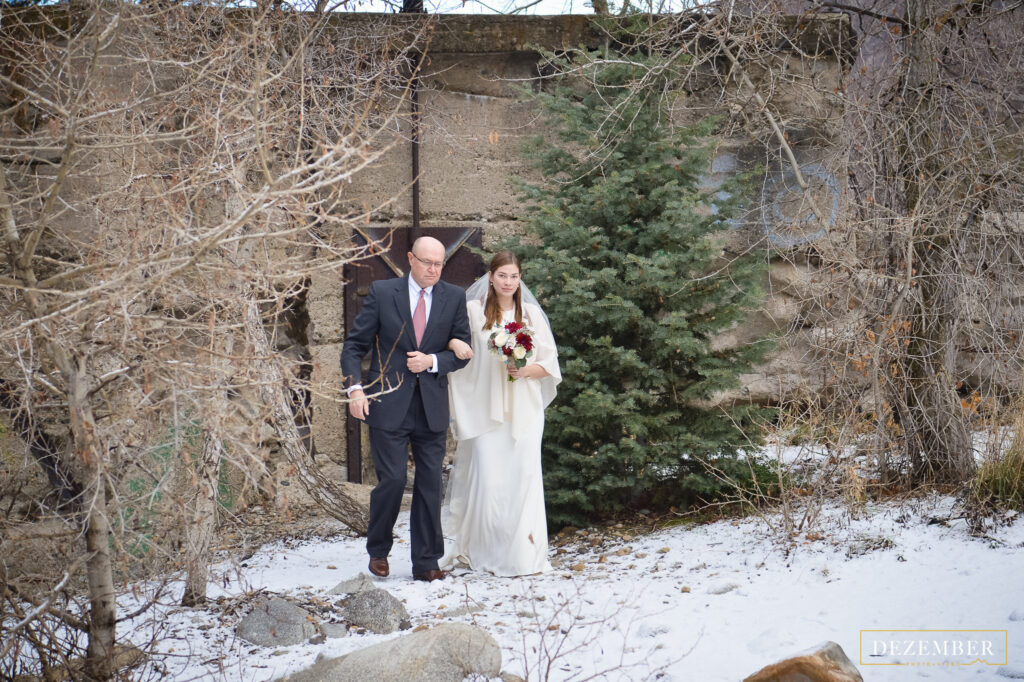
(510, 677)
(332, 567)
(685, 590)
(664, 550)
(376, 610)
(578, 567)
(354, 585)
(334, 630)
(276, 622)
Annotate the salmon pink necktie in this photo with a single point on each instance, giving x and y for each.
(419, 318)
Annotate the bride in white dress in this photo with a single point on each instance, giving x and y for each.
(495, 504)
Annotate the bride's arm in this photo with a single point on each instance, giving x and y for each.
(462, 350)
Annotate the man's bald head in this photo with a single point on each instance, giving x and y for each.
(426, 259)
(428, 243)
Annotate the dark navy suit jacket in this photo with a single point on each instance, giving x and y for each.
(384, 329)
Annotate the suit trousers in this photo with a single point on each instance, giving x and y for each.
(390, 450)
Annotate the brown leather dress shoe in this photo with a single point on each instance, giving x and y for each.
(431, 575)
(379, 566)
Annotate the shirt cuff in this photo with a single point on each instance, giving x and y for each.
(433, 369)
(349, 390)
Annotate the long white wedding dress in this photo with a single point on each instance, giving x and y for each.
(494, 516)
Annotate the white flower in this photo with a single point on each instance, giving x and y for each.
(519, 352)
(500, 339)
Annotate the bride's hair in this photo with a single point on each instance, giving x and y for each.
(492, 311)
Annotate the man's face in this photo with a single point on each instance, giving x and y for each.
(425, 263)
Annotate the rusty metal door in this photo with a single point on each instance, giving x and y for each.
(462, 267)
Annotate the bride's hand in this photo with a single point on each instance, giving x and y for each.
(518, 372)
(461, 349)
(527, 372)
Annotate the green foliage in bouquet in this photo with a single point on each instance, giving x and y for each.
(628, 254)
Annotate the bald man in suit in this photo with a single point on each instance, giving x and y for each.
(405, 324)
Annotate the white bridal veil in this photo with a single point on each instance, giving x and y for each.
(480, 289)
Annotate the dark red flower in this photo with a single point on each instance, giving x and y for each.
(506, 350)
(524, 340)
(513, 327)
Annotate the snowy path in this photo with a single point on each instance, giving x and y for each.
(715, 602)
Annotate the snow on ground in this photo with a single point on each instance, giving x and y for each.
(707, 603)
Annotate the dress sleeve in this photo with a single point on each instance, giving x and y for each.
(475, 392)
(545, 354)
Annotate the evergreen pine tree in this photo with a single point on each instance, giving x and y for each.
(627, 259)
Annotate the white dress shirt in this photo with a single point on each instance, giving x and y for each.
(414, 299)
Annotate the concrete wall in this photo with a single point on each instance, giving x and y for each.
(474, 120)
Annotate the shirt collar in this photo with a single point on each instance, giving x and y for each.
(415, 288)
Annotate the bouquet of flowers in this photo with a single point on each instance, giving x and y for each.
(512, 343)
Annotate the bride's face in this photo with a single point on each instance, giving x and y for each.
(505, 280)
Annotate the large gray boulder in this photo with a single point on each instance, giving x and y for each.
(825, 663)
(376, 610)
(276, 622)
(449, 652)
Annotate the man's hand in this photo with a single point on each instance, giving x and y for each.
(358, 405)
(418, 362)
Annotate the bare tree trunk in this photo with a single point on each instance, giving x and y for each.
(907, 216)
(98, 568)
(87, 450)
(937, 439)
(275, 395)
(202, 521)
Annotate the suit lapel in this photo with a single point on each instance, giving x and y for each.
(402, 304)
